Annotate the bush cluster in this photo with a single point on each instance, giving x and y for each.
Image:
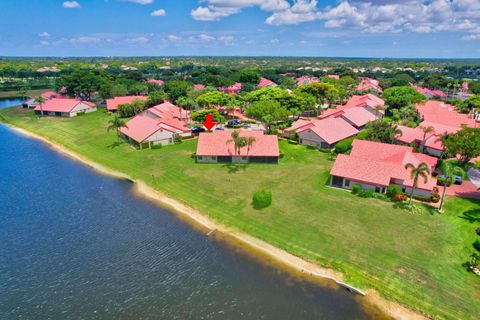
(356, 189)
(262, 199)
(393, 190)
(476, 244)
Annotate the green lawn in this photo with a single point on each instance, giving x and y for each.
(14, 94)
(412, 258)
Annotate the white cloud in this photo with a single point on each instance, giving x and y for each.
(300, 11)
(274, 41)
(158, 13)
(85, 40)
(44, 43)
(173, 38)
(216, 9)
(71, 4)
(142, 2)
(138, 40)
(44, 35)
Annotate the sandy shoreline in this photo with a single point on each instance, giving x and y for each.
(279, 256)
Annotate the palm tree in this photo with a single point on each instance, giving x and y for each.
(240, 142)
(377, 111)
(426, 130)
(115, 124)
(422, 170)
(40, 100)
(448, 172)
(441, 138)
(249, 142)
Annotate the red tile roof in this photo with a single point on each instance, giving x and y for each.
(233, 89)
(366, 100)
(369, 84)
(159, 82)
(428, 92)
(61, 105)
(264, 82)
(199, 86)
(443, 113)
(358, 116)
(378, 163)
(215, 144)
(410, 135)
(333, 76)
(331, 130)
(306, 80)
(169, 110)
(112, 104)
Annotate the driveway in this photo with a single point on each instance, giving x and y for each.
(466, 190)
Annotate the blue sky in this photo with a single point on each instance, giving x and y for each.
(354, 28)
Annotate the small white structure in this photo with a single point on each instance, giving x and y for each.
(63, 107)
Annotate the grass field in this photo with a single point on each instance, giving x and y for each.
(14, 94)
(414, 259)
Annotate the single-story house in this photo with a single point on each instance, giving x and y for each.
(374, 166)
(443, 113)
(367, 84)
(167, 110)
(322, 133)
(112, 104)
(333, 76)
(264, 82)
(198, 86)
(160, 124)
(63, 107)
(233, 89)
(306, 80)
(144, 131)
(368, 101)
(428, 93)
(358, 117)
(217, 147)
(156, 81)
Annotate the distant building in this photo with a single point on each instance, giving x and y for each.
(429, 94)
(155, 81)
(306, 80)
(369, 84)
(199, 86)
(63, 107)
(216, 147)
(233, 89)
(112, 104)
(264, 82)
(333, 76)
(374, 166)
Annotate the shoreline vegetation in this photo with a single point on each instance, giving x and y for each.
(294, 260)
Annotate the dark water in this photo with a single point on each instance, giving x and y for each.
(78, 245)
(6, 103)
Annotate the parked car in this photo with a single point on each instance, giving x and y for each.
(197, 129)
(458, 180)
(234, 123)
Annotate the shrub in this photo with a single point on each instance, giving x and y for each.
(399, 197)
(344, 146)
(435, 196)
(366, 194)
(178, 139)
(262, 199)
(476, 244)
(478, 231)
(421, 198)
(356, 188)
(394, 190)
(311, 147)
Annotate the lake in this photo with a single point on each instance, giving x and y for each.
(10, 102)
(78, 245)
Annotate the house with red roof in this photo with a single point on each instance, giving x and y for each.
(112, 104)
(428, 93)
(159, 124)
(333, 76)
(264, 82)
(321, 133)
(198, 86)
(306, 80)
(369, 84)
(64, 107)
(218, 147)
(233, 89)
(156, 81)
(375, 165)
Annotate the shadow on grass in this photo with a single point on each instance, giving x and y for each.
(471, 216)
(234, 168)
(115, 144)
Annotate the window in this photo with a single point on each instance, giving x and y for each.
(377, 189)
(200, 158)
(214, 158)
(244, 158)
(347, 183)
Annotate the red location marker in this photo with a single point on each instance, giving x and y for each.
(209, 124)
